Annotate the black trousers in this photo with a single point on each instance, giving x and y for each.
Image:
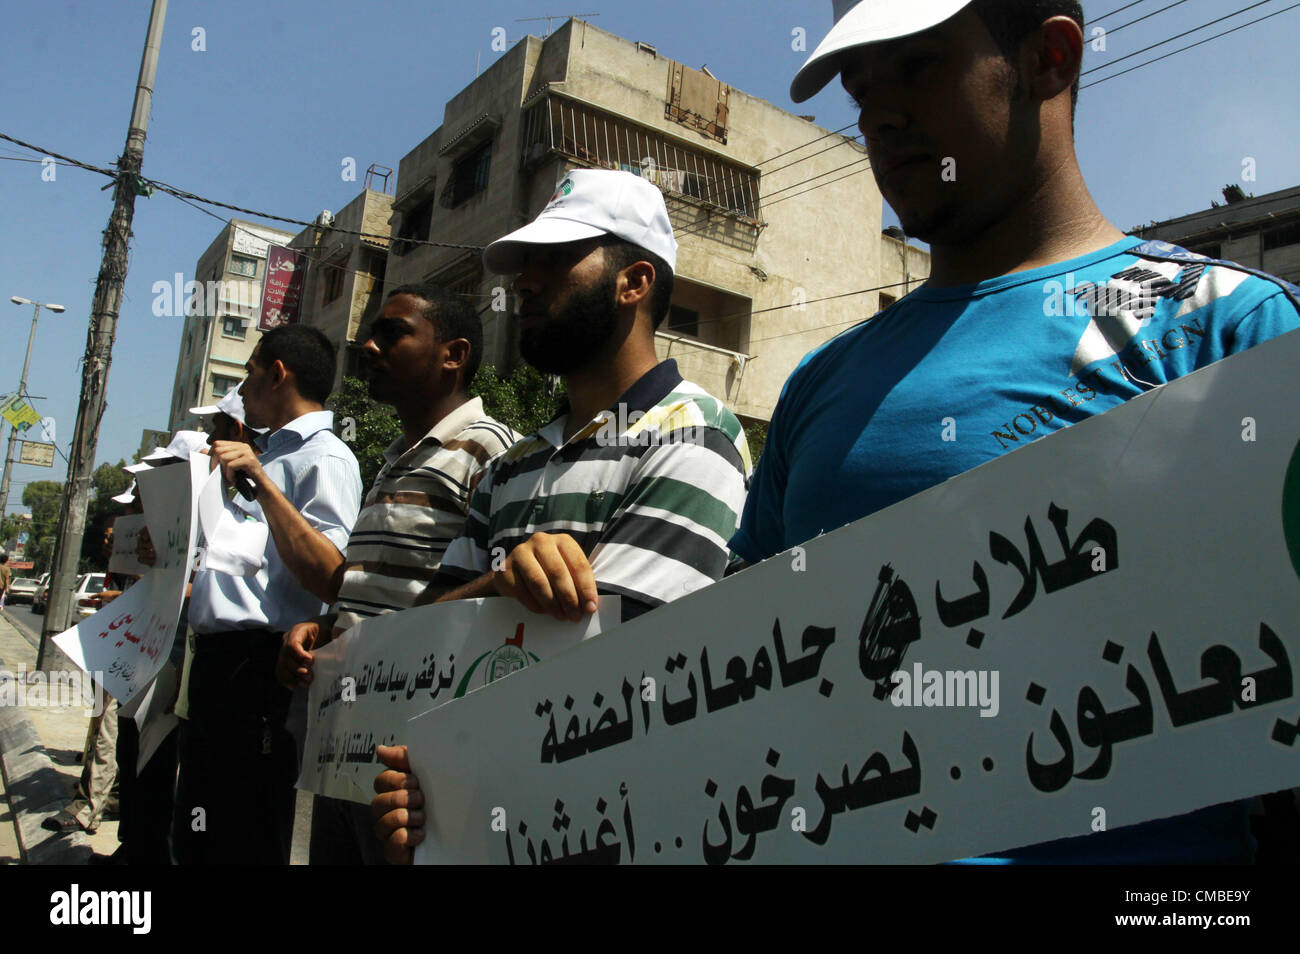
(146, 799)
(235, 795)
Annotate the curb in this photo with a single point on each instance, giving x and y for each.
(36, 790)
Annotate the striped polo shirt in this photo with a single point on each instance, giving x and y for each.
(652, 490)
(416, 507)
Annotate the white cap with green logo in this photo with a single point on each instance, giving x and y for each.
(589, 203)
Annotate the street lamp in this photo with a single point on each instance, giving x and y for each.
(22, 392)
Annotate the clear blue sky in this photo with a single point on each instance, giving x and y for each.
(287, 88)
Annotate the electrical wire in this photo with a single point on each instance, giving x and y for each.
(1177, 36)
(1191, 46)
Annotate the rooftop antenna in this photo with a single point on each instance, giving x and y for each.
(550, 19)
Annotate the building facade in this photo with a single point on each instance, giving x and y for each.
(220, 317)
(1256, 231)
(778, 220)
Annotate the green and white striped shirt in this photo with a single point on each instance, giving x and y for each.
(652, 490)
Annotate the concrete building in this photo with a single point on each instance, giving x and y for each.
(220, 317)
(779, 220)
(1256, 231)
(346, 271)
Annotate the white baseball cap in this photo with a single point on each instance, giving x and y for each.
(859, 22)
(231, 403)
(183, 443)
(589, 203)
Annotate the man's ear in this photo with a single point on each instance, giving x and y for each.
(456, 355)
(279, 374)
(634, 284)
(1052, 58)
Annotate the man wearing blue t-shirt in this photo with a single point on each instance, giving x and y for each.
(1038, 312)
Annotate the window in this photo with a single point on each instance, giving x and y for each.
(886, 300)
(233, 327)
(415, 226)
(469, 176)
(1209, 251)
(683, 321)
(335, 273)
(243, 265)
(1281, 237)
(223, 385)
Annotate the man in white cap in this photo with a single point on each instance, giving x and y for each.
(635, 487)
(967, 111)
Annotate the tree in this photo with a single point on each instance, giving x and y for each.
(43, 499)
(365, 425)
(524, 399)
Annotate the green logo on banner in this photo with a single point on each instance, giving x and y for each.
(1291, 509)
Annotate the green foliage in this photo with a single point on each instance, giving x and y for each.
(756, 436)
(524, 399)
(43, 498)
(365, 425)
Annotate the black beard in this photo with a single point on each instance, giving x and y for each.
(577, 335)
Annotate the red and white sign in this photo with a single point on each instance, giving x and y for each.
(286, 272)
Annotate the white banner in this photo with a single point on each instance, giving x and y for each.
(1094, 631)
(126, 535)
(129, 639)
(367, 683)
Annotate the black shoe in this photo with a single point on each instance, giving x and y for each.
(62, 823)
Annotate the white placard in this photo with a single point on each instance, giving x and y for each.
(129, 639)
(367, 683)
(1118, 605)
(126, 535)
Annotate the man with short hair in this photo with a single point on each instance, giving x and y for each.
(634, 488)
(967, 114)
(420, 355)
(235, 801)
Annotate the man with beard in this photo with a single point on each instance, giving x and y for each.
(635, 486)
(966, 109)
(420, 356)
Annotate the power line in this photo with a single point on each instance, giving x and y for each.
(1147, 17)
(1192, 45)
(834, 132)
(1177, 36)
(1113, 12)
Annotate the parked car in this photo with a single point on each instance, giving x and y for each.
(42, 597)
(86, 596)
(22, 589)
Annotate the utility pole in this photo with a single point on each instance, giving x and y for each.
(22, 393)
(99, 342)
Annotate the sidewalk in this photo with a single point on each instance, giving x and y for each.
(38, 750)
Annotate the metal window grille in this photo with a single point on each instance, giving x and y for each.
(556, 124)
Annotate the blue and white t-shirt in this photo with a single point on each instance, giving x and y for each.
(862, 421)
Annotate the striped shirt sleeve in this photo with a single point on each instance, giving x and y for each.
(670, 535)
(467, 557)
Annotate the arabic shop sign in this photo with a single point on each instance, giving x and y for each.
(383, 671)
(286, 272)
(36, 454)
(837, 704)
